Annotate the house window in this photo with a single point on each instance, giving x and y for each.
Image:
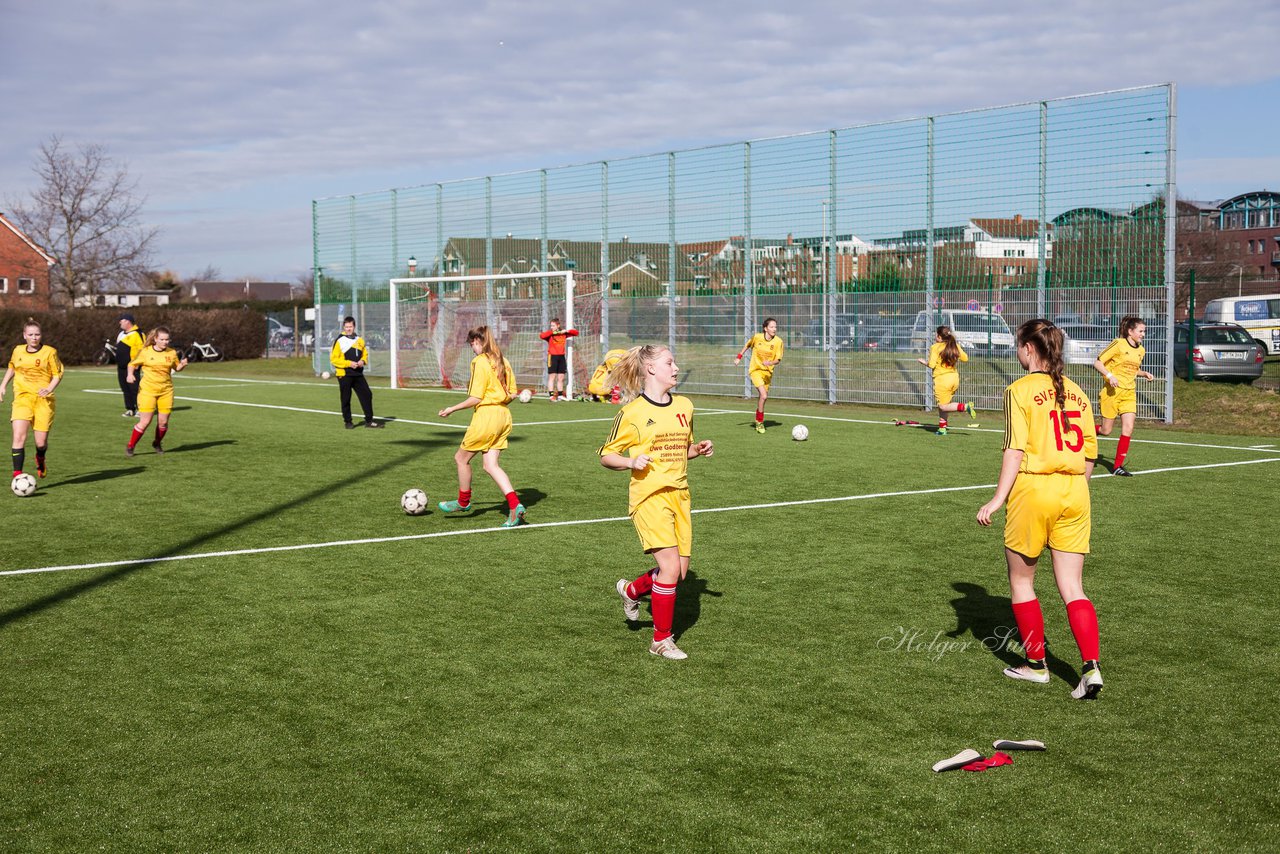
(616, 287)
(26, 286)
(4, 285)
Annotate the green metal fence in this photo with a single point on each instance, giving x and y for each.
(858, 240)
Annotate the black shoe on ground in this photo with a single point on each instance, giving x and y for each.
(1121, 471)
(351, 425)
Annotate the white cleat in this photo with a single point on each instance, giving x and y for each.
(630, 607)
(1090, 685)
(667, 649)
(1028, 674)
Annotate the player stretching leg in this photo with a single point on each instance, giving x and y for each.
(943, 356)
(1049, 450)
(655, 430)
(766, 352)
(36, 371)
(492, 386)
(1120, 365)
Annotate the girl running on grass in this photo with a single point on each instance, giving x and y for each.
(1120, 365)
(155, 393)
(766, 352)
(1049, 450)
(36, 371)
(492, 386)
(655, 430)
(943, 356)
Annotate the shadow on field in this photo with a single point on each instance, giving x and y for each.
(990, 620)
(93, 476)
(200, 446)
(689, 595)
(357, 474)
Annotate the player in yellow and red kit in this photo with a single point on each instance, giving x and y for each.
(1049, 450)
(943, 357)
(654, 430)
(1120, 365)
(766, 352)
(155, 392)
(36, 371)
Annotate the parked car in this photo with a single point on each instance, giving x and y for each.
(977, 331)
(885, 337)
(1222, 351)
(1085, 341)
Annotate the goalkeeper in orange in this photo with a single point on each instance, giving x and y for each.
(766, 352)
(1049, 450)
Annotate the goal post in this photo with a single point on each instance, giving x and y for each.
(430, 317)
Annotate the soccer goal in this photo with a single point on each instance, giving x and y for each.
(431, 316)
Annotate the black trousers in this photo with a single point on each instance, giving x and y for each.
(130, 389)
(355, 382)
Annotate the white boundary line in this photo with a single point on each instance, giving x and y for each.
(567, 523)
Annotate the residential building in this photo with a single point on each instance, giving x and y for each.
(24, 270)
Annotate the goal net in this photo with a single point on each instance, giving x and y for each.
(431, 316)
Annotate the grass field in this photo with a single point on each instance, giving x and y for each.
(244, 644)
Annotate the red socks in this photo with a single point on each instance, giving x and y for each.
(759, 416)
(1084, 625)
(464, 498)
(942, 424)
(135, 437)
(1030, 621)
(512, 501)
(160, 431)
(959, 407)
(1122, 449)
(663, 606)
(642, 585)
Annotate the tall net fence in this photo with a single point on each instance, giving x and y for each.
(859, 241)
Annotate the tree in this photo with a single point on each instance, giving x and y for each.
(86, 213)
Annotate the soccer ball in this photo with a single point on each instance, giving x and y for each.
(526, 395)
(324, 375)
(414, 502)
(23, 485)
(799, 432)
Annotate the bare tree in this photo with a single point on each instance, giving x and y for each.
(86, 213)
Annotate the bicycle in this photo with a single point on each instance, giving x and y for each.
(199, 352)
(107, 355)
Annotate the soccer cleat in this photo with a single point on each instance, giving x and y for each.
(970, 408)
(128, 450)
(41, 471)
(1027, 673)
(1121, 471)
(630, 607)
(159, 448)
(667, 649)
(958, 761)
(452, 506)
(941, 431)
(1017, 744)
(759, 427)
(350, 425)
(515, 518)
(1090, 683)
(374, 424)
(128, 413)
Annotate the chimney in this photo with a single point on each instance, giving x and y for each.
(1017, 218)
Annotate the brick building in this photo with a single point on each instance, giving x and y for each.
(24, 270)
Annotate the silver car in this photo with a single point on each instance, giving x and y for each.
(1222, 351)
(1084, 341)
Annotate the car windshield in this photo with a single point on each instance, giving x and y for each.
(1222, 336)
(980, 323)
(1079, 332)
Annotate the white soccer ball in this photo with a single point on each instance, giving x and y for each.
(526, 395)
(324, 375)
(23, 485)
(414, 502)
(799, 432)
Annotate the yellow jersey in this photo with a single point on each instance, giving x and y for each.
(1123, 359)
(484, 382)
(157, 369)
(598, 379)
(1033, 424)
(664, 431)
(128, 344)
(34, 371)
(347, 350)
(935, 360)
(762, 350)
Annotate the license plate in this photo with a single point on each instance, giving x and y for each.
(1237, 355)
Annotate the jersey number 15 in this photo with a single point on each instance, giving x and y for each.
(1076, 442)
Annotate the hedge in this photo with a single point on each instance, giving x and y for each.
(78, 333)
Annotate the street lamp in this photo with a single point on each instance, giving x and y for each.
(413, 265)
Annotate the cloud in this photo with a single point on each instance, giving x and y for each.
(210, 105)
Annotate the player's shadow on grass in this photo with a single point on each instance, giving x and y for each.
(689, 595)
(990, 620)
(92, 477)
(200, 446)
(359, 473)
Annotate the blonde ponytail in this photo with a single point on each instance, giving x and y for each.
(628, 374)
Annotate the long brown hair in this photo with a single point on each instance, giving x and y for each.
(151, 336)
(490, 349)
(950, 347)
(1047, 340)
(628, 374)
(1128, 322)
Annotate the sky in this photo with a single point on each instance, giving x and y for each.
(234, 116)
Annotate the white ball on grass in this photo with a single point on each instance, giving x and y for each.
(526, 395)
(324, 375)
(23, 485)
(414, 502)
(799, 432)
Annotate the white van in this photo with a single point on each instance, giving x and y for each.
(1260, 315)
(977, 331)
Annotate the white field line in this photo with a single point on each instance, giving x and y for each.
(567, 523)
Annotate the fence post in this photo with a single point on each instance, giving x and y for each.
(1191, 332)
